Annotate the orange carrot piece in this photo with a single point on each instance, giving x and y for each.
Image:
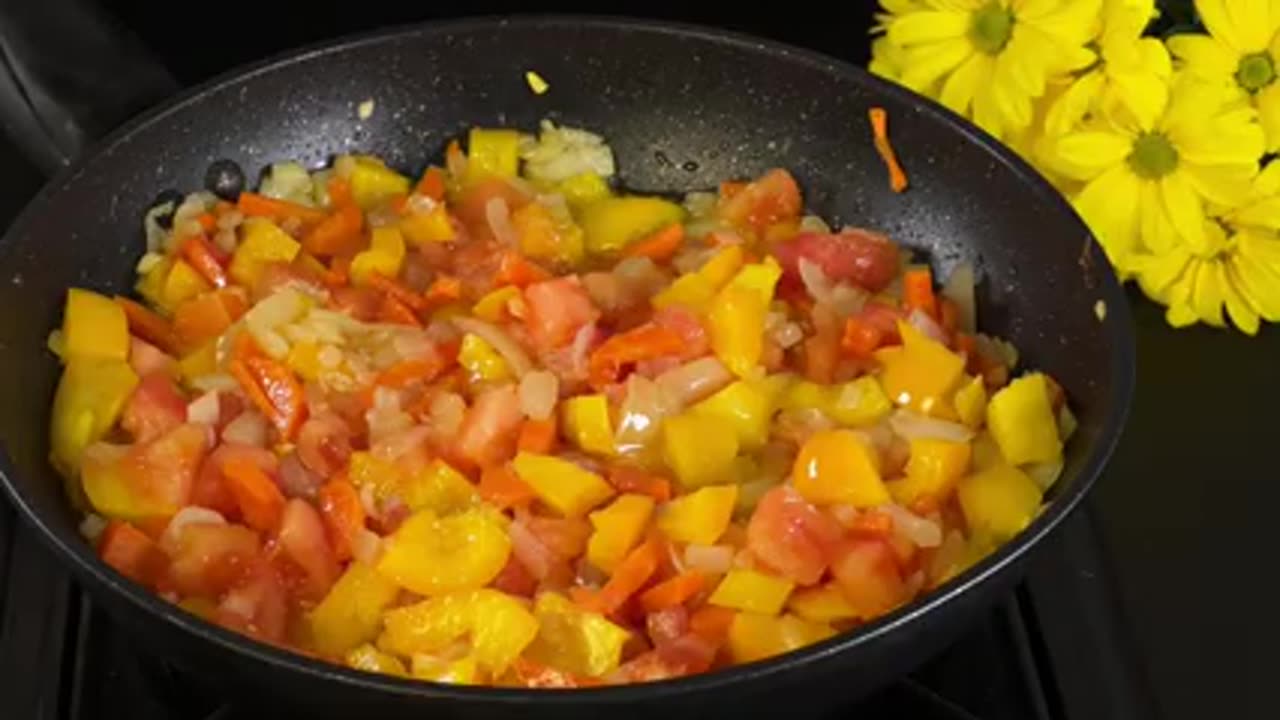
(673, 592)
(660, 246)
(642, 343)
(516, 269)
(860, 338)
(711, 623)
(255, 205)
(538, 436)
(444, 290)
(880, 133)
(432, 184)
(948, 315)
(204, 258)
(260, 500)
(634, 480)
(337, 234)
(917, 291)
(206, 316)
(132, 553)
(630, 575)
(500, 486)
(343, 515)
(148, 325)
(393, 311)
(207, 221)
(398, 290)
(273, 389)
(407, 372)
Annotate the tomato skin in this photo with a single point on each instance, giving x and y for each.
(514, 579)
(565, 537)
(257, 605)
(868, 574)
(324, 443)
(165, 468)
(487, 435)
(155, 408)
(146, 359)
(555, 310)
(208, 559)
(133, 554)
(302, 541)
(865, 258)
(343, 515)
(360, 303)
(791, 536)
(772, 198)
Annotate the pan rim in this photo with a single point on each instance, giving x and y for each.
(1117, 326)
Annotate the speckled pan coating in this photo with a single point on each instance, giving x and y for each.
(684, 108)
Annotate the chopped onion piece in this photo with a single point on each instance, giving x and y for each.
(447, 411)
(927, 326)
(367, 547)
(641, 414)
(694, 381)
(960, 289)
(248, 428)
(847, 300)
(814, 224)
(215, 381)
(815, 281)
(1045, 474)
(914, 426)
(92, 526)
(204, 409)
(949, 558)
(539, 390)
(922, 532)
(189, 515)
(517, 359)
(710, 559)
(498, 216)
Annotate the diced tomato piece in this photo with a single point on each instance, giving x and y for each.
(207, 315)
(208, 559)
(487, 435)
(164, 469)
(514, 579)
(868, 574)
(343, 515)
(555, 310)
(362, 303)
(155, 408)
(772, 198)
(324, 443)
(210, 489)
(862, 257)
(665, 626)
(131, 553)
(686, 655)
(566, 537)
(535, 675)
(470, 207)
(302, 541)
(791, 536)
(256, 605)
(629, 479)
(146, 359)
(684, 323)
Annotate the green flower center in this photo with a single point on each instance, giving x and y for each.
(1255, 71)
(991, 28)
(1153, 156)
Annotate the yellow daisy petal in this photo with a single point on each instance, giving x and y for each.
(1213, 13)
(1251, 21)
(1157, 274)
(1259, 286)
(923, 65)
(1267, 182)
(986, 112)
(1092, 152)
(1259, 249)
(1268, 103)
(1225, 186)
(1105, 205)
(927, 27)
(1205, 57)
(1183, 207)
(1070, 108)
(1143, 94)
(1239, 309)
(1264, 213)
(1181, 313)
(1208, 295)
(957, 91)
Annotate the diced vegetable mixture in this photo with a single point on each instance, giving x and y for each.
(504, 423)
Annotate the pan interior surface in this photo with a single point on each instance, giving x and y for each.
(683, 109)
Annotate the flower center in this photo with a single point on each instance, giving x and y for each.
(1255, 71)
(1153, 156)
(991, 28)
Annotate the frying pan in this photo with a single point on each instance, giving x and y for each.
(683, 108)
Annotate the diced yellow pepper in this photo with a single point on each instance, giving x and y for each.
(431, 555)
(753, 636)
(90, 397)
(700, 517)
(385, 255)
(199, 362)
(429, 227)
(722, 266)
(500, 627)
(698, 449)
(481, 361)
(543, 238)
(1022, 422)
(373, 182)
(839, 467)
(494, 303)
(562, 485)
(351, 612)
(150, 284)
(999, 501)
(743, 589)
(261, 242)
(587, 424)
(617, 529)
(182, 283)
(440, 489)
(858, 403)
(920, 373)
(304, 359)
(822, 604)
(933, 469)
(971, 402)
(737, 315)
(611, 224)
(492, 153)
(690, 290)
(574, 640)
(745, 408)
(370, 659)
(986, 454)
(365, 468)
(464, 671)
(761, 278)
(94, 327)
(583, 188)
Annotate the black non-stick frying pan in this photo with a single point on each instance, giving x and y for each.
(683, 108)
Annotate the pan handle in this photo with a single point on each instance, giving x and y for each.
(69, 73)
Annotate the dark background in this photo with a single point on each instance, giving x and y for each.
(1188, 507)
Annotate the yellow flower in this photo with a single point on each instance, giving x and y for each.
(1237, 269)
(1147, 182)
(988, 59)
(1240, 53)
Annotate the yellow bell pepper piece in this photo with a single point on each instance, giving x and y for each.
(90, 397)
(611, 224)
(575, 640)
(700, 517)
(261, 242)
(562, 485)
(722, 266)
(755, 637)
(587, 424)
(1022, 422)
(617, 528)
(919, 373)
(365, 468)
(743, 589)
(697, 449)
(822, 604)
(690, 290)
(199, 362)
(481, 361)
(373, 182)
(745, 408)
(150, 283)
(971, 403)
(385, 255)
(986, 454)
(494, 303)
(351, 612)
(999, 501)
(440, 489)
(370, 659)
(839, 467)
(858, 403)
(94, 326)
(737, 316)
(464, 671)
(304, 359)
(583, 189)
(182, 283)
(431, 555)
(543, 238)
(933, 469)
(492, 153)
(429, 227)
(499, 626)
